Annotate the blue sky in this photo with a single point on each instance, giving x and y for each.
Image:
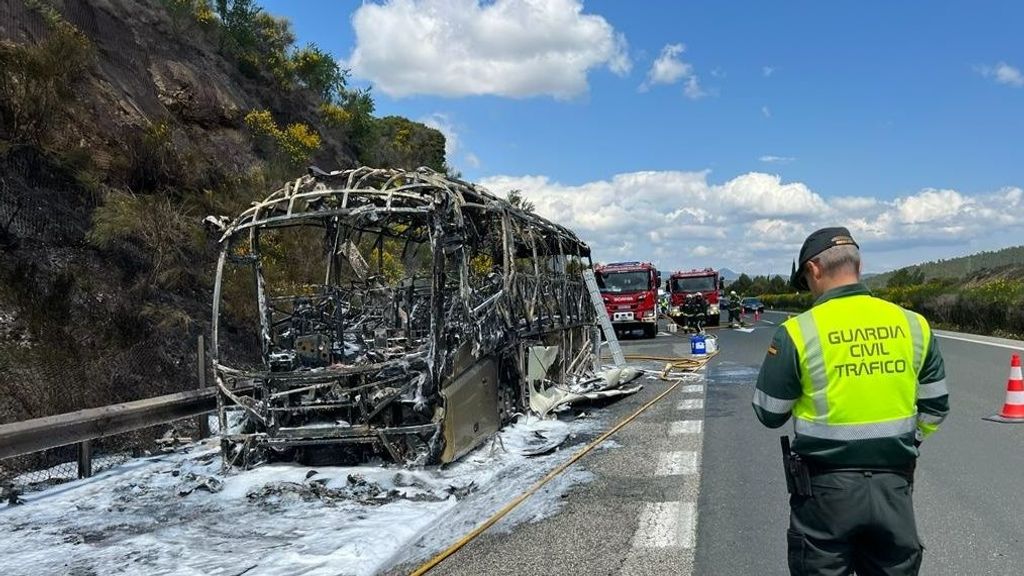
(760, 122)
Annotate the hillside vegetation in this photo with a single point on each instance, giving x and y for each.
(953, 268)
(982, 293)
(123, 123)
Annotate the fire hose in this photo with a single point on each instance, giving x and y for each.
(430, 564)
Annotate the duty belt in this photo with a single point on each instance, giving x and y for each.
(817, 469)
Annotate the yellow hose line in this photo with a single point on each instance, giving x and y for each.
(537, 485)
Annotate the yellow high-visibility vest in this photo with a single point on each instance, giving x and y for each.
(859, 363)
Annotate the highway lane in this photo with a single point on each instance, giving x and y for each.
(635, 513)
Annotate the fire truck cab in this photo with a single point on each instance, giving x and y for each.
(705, 282)
(630, 294)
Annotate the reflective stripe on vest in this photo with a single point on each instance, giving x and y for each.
(859, 360)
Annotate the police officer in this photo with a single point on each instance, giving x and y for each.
(865, 384)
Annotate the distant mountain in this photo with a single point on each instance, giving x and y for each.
(728, 274)
(731, 275)
(960, 268)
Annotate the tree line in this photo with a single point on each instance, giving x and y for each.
(757, 285)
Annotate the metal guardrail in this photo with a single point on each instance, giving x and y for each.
(83, 426)
(53, 431)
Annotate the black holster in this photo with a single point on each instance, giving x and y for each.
(798, 474)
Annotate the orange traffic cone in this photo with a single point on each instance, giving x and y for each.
(1013, 409)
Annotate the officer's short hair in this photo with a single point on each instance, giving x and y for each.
(836, 258)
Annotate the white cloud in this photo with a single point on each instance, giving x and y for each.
(772, 159)
(853, 203)
(693, 91)
(930, 206)
(756, 222)
(472, 160)
(1003, 73)
(767, 71)
(668, 68)
(766, 111)
(513, 48)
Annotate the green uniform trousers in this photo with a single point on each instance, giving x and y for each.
(855, 522)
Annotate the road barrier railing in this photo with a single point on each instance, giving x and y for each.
(82, 427)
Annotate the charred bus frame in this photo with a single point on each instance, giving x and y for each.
(413, 342)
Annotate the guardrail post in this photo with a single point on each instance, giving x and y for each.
(203, 420)
(85, 459)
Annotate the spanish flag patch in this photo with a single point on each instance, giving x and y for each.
(773, 350)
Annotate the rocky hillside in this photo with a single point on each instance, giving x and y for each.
(122, 124)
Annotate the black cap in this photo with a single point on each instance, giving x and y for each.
(815, 244)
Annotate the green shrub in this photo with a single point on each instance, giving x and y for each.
(261, 123)
(167, 233)
(793, 302)
(296, 143)
(258, 40)
(50, 14)
(318, 71)
(334, 116)
(150, 162)
(994, 307)
(299, 143)
(402, 143)
(186, 12)
(38, 81)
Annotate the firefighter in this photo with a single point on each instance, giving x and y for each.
(735, 307)
(865, 384)
(694, 312)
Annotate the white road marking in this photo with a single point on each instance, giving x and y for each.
(768, 322)
(688, 524)
(982, 342)
(663, 334)
(745, 330)
(665, 525)
(685, 427)
(692, 388)
(677, 463)
(690, 404)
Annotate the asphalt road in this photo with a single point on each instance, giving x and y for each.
(695, 486)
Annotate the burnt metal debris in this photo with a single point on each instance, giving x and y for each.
(397, 314)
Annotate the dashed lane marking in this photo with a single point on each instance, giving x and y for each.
(692, 389)
(685, 427)
(677, 463)
(690, 404)
(665, 525)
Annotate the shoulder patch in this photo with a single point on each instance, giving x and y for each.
(773, 350)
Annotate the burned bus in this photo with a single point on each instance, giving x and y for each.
(389, 314)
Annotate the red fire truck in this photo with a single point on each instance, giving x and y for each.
(705, 281)
(630, 293)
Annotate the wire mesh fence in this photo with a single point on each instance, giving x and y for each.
(21, 475)
(38, 384)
